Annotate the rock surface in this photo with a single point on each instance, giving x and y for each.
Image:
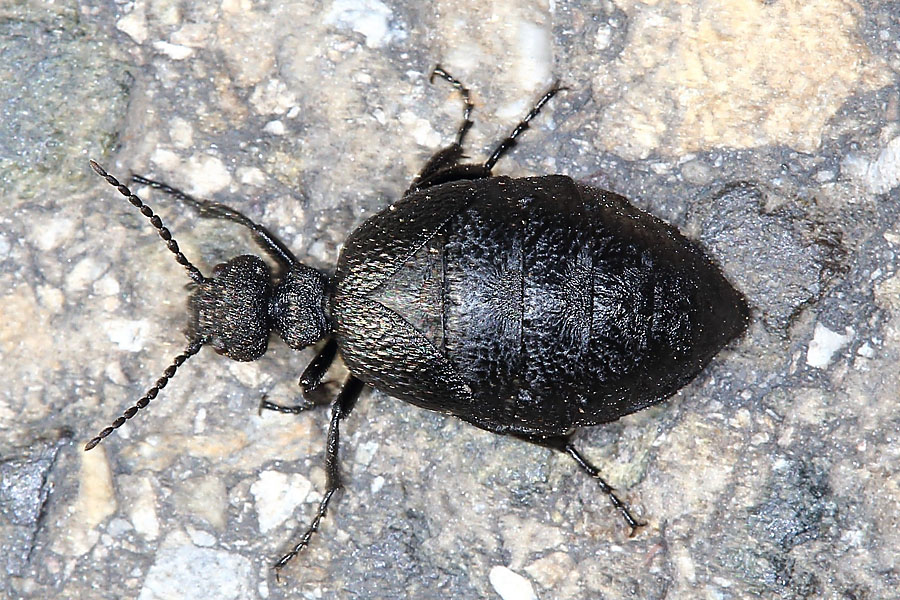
(754, 126)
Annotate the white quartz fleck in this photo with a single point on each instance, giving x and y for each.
(884, 173)
(365, 452)
(201, 538)
(277, 494)
(370, 18)
(251, 176)
(54, 232)
(166, 159)
(824, 345)
(51, 298)
(173, 51)
(535, 51)
(208, 175)
(272, 97)
(274, 127)
(181, 132)
(107, 286)
(127, 334)
(86, 271)
(422, 131)
(510, 585)
(880, 175)
(603, 38)
(134, 24)
(142, 510)
(866, 351)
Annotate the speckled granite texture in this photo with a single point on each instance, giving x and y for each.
(768, 130)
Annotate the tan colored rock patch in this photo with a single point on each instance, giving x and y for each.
(737, 73)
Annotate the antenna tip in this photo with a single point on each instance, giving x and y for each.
(97, 168)
(91, 444)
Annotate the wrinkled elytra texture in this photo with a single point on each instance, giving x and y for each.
(528, 306)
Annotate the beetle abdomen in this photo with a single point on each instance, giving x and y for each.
(544, 305)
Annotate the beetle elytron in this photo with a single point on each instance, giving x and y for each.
(527, 307)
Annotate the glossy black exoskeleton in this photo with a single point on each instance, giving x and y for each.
(527, 306)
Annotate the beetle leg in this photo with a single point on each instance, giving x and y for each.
(264, 238)
(510, 141)
(455, 173)
(467, 110)
(564, 444)
(315, 370)
(605, 487)
(446, 160)
(340, 409)
(310, 381)
(443, 160)
(304, 405)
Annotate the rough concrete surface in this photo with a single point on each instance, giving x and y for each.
(768, 130)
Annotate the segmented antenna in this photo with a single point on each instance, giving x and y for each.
(164, 233)
(191, 350)
(194, 273)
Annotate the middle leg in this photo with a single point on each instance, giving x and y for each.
(341, 408)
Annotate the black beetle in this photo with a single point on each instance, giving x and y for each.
(527, 307)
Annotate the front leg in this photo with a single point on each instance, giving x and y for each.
(264, 238)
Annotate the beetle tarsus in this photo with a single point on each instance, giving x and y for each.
(265, 404)
(594, 472)
(467, 110)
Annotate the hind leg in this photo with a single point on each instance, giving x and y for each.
(506, 145)
(444, 166)
(341, 408)
(564, 444)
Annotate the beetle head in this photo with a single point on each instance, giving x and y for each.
(229, 311)
(235, 309)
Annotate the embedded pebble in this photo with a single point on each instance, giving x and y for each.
(127, 334)
(134, 24)
(370, 18)
(510, 585)
(883, 174)
(183, 571)
(277, 494)
(824, 345)
(142, 509)
(208, 175)
(96, 501)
